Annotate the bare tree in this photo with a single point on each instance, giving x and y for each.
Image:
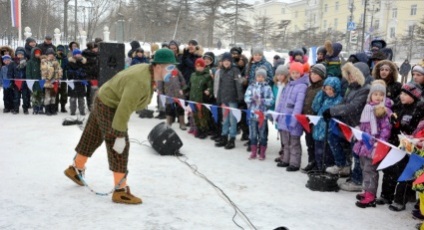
(264, 26)
(236, 7)
(211, 9)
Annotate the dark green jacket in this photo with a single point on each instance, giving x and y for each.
(199, 82)
(33, 71)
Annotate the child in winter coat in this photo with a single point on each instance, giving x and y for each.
(257, 61)
(405, 118)
(229, 93)
(139, 57)
(76, 73)
(6, 72)
(418, 74)
(418, 148)
(316, 79)
(51, 72)
(291, 103)
(329, 96)
(374, 121)
(259, 99)
(332, 59)
(281, 79)
(200, 89)
(20, 75)
(33, 72)
(387, 71)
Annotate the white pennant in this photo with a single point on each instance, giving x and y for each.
(314, 119)
(357, 133)
(30, 84)
(71, 85)
(394, 156)
(182, 103)
(273, 114)
(162, 99)
(208, 106)
(237, 114)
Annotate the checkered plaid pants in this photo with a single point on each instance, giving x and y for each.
(99, 129)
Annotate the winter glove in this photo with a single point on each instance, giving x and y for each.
(119, 145)
(326, 115)
(394, 120)
(380, 111)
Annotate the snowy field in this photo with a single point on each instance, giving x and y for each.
(36, 149)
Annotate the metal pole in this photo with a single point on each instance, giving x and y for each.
(76, 21)
(363, 25)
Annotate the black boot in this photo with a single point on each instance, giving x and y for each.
(161, 115)
(309, 167)
(48, 110)
(230, 144)
(63, 109)
(222, 142)
(53, 109)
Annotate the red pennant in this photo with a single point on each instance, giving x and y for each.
(176, 100)
(94, 83)
(261, 117)
(380, 152)
(419, 180)
(304, 121)
(226, 111)
(55, 87)
(199, 109)
(19, 84)
(347, 132)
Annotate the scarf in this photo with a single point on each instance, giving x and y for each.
(368, 116)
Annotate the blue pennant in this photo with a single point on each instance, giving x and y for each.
(214, 110)
(84, 82)
(6, 83)
(192, 106)
(414, 164)
(41, 83)
(334, 127)
(366, 138)
(288, 120)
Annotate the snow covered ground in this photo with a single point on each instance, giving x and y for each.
(36, 149)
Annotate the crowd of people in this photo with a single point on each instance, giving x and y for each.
(367, 91)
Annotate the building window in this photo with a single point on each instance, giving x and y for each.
(296, 29)
(414, 10)
(363, 2)
(337, 6)
(392, 32)
(336, 23)
(325, 24)
(361, 19)
(376, 24)
(295, 14)
(283, 10)
(411, 31)
(325, 7)
(394, 13)
(314, 18)
(306, 13)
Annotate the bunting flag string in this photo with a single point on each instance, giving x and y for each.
(414, 164)
(380, 152)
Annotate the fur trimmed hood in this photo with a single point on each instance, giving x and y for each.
(349, 68)
(8, 49)
(394, 74)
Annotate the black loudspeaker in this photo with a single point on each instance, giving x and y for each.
(111, 60)
(164, 140)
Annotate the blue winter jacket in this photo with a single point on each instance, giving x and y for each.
(258, 97)
(322, 102)
(139, 60)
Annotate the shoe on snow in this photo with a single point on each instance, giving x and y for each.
(73, 173)
(123, 195)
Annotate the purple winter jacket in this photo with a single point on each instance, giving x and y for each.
(291, 102)
(383, 133)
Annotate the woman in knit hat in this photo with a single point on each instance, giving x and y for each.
(418, 74)
(257, 61)
(387, 71)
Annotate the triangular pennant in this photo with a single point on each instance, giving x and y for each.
(334, 127)
(248, 115)
(30, 84)
(192, 106)
(41, 83)
(261, 117)
(273, 114)
(84, 82)
(226, 111)
(419, 180)
(366, 138)
(380, 152)
(162, 99)
(94, 83)
(199, 108)
(347, 132)
(182, 103)
(18, 84)
(208, 106)
(6, 83)
(303, 120)
(236, 113)
(56, 87)
(214, 110)
(415, 162)
(394, 156)
(71, 85)
(357, 133)
(288, 120)
(314, 119)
